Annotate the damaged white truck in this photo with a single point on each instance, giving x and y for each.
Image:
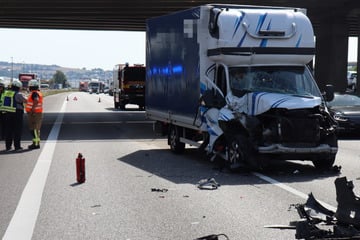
(233, 80)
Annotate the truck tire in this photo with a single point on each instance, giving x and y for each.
(326, 161)
(238, 152)
(174, 140)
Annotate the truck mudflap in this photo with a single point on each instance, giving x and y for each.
(318, 221)
(279, 148)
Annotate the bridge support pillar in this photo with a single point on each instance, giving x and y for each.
(332, 53)
(358, 58)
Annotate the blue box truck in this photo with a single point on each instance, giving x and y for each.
(234, 81)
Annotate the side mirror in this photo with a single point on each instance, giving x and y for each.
(329, 93)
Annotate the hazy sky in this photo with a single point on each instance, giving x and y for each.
(78, 49)
(70, 48)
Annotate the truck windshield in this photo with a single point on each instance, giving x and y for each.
(134, 74)
(295, 80)
(93, 85)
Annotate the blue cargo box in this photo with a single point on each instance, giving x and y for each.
(172, 64)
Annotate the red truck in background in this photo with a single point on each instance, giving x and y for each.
(24, 78)
(83, 86)
(129, 85)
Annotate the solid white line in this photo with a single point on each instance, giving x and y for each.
(291, 190)
(24, 219)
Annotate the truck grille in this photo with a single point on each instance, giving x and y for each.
(299, 130)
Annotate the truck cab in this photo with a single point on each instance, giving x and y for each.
(129, 85)
(24, 78)
(268, 87)
(282, 113)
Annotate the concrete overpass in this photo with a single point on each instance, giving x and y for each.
(334, 21)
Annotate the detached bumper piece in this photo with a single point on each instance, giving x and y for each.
(318, 222)
(208, 184)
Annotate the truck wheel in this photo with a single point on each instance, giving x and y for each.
(238, 152)
(174, 140)
(326, 161)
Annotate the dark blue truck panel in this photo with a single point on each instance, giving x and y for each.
(172, 64)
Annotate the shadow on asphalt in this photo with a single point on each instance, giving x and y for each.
(96, 126)
(191, 167)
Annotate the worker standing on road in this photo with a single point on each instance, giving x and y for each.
(12, 106)
(34, 109)
(2, 128)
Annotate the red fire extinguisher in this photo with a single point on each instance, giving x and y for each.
(80, 169)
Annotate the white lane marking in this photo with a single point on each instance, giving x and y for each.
(291, 190)
(24, 219)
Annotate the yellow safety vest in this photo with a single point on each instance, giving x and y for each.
(8, 103)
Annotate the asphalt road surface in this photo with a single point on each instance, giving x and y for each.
(136, 189)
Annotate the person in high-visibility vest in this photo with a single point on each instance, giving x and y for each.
(12, 106)
(2, 126)
(34, 109)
